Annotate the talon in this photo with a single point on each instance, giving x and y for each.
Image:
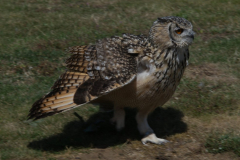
(153, 139)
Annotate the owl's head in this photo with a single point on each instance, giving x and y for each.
(171, 32)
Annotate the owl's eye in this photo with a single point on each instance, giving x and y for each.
(179, 30)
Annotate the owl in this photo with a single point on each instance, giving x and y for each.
(130, 71)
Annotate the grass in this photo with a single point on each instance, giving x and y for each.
(218, 143)
(35, 33)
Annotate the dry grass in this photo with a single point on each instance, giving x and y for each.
(205, 108)
(212, 72)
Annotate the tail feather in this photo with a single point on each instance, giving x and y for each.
(59, 104)
(55, 102)
(52, 103)
(67, 107)
(60, 98)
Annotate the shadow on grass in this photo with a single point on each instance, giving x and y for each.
(97, 132)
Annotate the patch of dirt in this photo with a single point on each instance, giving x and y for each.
(48, 10)
(45, 44)
(92, 154)
(27, 72)
(46, 68)
(222, 123)
(188, 145)
(181, 150)
(183, 146)
(210, 36)
(209, 71)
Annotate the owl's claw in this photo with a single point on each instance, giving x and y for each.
(153, 139)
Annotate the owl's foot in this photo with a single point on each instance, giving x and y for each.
(146, 130)
(152, 138)
(119, 118)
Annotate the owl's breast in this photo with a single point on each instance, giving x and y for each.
(158, 83)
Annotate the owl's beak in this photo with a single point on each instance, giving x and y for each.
(192, 33)
(189, 37)
(192, 36)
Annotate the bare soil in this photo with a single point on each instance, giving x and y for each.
(187, 137)
(209, 71)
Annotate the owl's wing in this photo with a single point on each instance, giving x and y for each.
(92, 71)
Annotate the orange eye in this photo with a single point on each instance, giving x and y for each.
(179, 31)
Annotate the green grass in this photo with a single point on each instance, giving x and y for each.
(201, 98)
(35, 33)
(219, 143)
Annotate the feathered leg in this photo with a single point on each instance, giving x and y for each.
(119, 118)
(146, 130)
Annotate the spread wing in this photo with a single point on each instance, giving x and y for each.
(92, 71)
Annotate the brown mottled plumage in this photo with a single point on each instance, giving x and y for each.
(129, 71)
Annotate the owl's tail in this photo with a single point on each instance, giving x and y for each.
(54, 102)
(61, 98)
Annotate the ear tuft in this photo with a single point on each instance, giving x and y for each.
(162, 20)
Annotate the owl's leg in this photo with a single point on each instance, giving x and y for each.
(146, 130)
(119, 118)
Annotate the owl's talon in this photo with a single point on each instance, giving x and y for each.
(153, 139)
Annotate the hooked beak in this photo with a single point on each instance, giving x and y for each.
(192, 35)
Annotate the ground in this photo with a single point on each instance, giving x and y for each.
(201, 120)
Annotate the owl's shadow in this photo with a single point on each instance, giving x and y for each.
(98, 132)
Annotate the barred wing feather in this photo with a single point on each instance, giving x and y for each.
(92, 71)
